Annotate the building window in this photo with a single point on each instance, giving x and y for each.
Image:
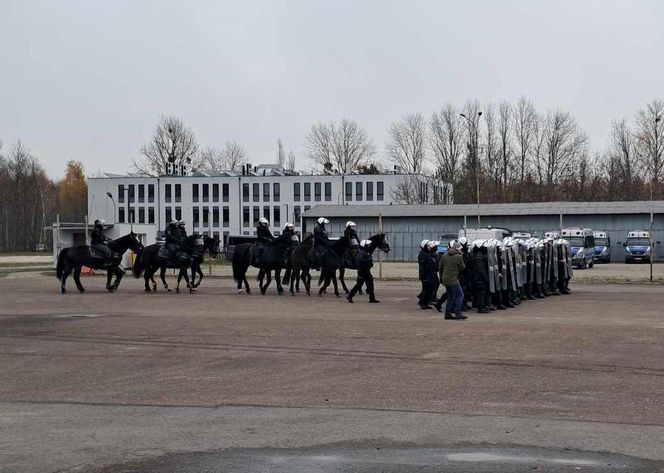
(266, 212)
(169, 215)
(266, 192)
(245, 192)
(150, 193)
(296, 192)
(194, 192)
(132, 190)
(349, 191)
(178, 213)
(206, 192)
(256, 188)
(215, 192)
(245, 216)
(121, 215)
(141, 193)
(297, 215)
(307, 191)
(328, 191)
(225, 235)
(317, 192)
(167, 193)
(358, 190)
(141, 214)
(380, 190)
(276, 191)
(369, 190)
(178, 193)
(257, 215)
(276, 216)
(150, 214)
(132, 215)
(224, 192)
(224, 216)
(215, 216)
(121, 192)
(206, 216)
(197, 216)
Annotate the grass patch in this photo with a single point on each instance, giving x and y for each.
(22, 265)
(27, 253)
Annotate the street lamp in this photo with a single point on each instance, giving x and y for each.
(476, 160)
(115, 207)
(652, 181)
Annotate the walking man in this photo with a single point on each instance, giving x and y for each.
(363, 263)
(452, 265)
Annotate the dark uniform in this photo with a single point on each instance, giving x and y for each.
(428, 276)
(99, 242)
(363, 263)
(321, 241)
(263, 238)
(480, 284)
(172, 235)
(353, 244)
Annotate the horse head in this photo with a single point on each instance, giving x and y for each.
(383, 244)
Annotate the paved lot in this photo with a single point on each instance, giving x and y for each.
(137, 382)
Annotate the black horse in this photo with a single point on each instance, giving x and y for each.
(330, 262)
(75, 257)
(149, 261)
(299, 269)
(211, 245)
(273, 258)
(377, 241)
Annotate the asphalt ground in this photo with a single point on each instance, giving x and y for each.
(217, 381)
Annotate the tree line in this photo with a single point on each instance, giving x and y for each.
(30, 200)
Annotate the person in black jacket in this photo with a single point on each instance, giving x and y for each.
(321, 242)
(428, 273)
(100, 242)
(263, 238)
(363, 263)
(480, 272)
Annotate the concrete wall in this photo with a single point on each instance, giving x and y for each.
(406, 233)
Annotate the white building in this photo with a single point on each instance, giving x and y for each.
(231, 203)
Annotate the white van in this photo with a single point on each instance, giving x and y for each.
(484, 233)
(637, 247)
(581, 245)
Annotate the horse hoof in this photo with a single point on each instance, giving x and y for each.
(63, 291)
(81, 291)
(240, 291)
(177, 291)
(169, 290)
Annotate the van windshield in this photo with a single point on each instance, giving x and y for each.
(601, 242)
(576, 241)
(637, 242)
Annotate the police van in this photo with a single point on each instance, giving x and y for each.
(523, 236)
(637, 247)
(602, 247)
(484, 233)
(582, 246)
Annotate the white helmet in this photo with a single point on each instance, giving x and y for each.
(433, 244)
(264, 221)
(450, 244)
(478, 243)
(100, 221)
(288, 225)
(350, 224)
(181, 223)
(365, 242)
(424, 243)
(323, 221)
(463, 240)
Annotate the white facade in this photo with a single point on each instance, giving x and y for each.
(231, 204)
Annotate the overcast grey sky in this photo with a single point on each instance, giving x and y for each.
(88, 79)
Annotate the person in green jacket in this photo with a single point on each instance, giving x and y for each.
(451, 265)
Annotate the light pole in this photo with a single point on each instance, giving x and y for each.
(652, 181)
(476, 163)
(115, 207)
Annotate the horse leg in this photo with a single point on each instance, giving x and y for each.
(65, 275)
(118, 277)
(162, 275)
(200, 276)
(342, 271)
(336, 286)
(326, 282)
(268, 275)
(177, 288)
(306, 280)
(246, 284)
(277, 278)
(109, 278)
(77, 279)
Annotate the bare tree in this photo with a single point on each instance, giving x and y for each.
(649, 130)
(406, 145)
(290, 162)
(281, 154)
(491, 162)
(525, 131)
(410, 190)
(173, 146)
(472, 114)
(562, 144)
(229, 158)
(623, 156)
(505, 150)
(341, 146)
(447, 140)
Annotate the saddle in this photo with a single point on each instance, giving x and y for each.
(349, 258)
(108, 257)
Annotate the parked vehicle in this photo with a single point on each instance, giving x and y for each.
(637, 247)
(522, 235)
(233, 241)
(484, 233)
(445, 239)
(582, 246)
(602, 247)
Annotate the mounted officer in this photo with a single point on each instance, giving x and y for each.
(263, 238)
(172, 234)
(182, 230)
(350, 233)
(99, 242)
(321, 242)
(363, 262)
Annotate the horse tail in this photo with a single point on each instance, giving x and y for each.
(238, 265)
(60, 267)
(139, 265)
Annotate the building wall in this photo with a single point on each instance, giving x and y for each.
(406, 233)
(237, 198)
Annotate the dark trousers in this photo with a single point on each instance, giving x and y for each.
(479, 295)
(428, 293)
(364, 276)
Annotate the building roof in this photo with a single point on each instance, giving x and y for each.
(460, 210)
